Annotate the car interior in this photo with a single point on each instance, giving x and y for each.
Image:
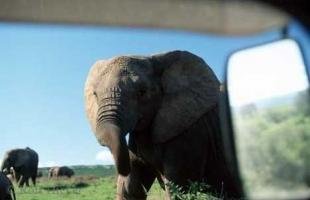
(259, 51)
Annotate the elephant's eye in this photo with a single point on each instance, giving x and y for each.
(95, 94)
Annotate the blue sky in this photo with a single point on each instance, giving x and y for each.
(43, 69)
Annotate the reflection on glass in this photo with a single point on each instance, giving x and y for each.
(269, 98)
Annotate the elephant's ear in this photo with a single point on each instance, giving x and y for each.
(91, 105)
(21, 158)
(190, 89)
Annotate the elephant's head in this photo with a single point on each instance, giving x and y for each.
(7, 163)
(14, 158)
(160, 95)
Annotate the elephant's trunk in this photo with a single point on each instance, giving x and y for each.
(111, 132)
(111, 135)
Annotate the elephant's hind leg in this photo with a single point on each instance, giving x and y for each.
(27, 182)
(22, 181)
(136, 185)
(33, 179)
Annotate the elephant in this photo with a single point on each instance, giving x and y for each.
(25, 164)
(168, 105)
(60, 171)
(6, 188)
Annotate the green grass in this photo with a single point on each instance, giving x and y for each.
(80, 188)
(91, 183)
(86, 188)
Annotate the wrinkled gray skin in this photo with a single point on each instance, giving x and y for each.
(25, 164)
(168, 103)
(60, 171)
(6, 188)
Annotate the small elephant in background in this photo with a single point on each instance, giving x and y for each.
(60, 172)
(24, 163)
(6, 188)
(168, 104)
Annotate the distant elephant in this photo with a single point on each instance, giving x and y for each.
(168, 103)
(6, 188)
(25, 164)
(60, 171)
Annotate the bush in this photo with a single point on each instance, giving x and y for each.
(273, 145)
(195, 191)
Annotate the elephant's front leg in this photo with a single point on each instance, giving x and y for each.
(136, 185)
(17, 177)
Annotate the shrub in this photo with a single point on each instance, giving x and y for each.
(195, 191)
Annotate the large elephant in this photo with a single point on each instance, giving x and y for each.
(168, 103)
(60, 171)
(25, 164)
(6, 188)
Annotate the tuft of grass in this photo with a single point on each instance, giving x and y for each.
(195, 191)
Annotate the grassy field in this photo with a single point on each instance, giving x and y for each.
(94, 183)
(90, 183)
(79, 188)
